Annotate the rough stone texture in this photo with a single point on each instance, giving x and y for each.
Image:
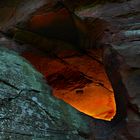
(79, 80)
(115, 27)
(60, 33)
(17, 10)
(120, 39)
(28, 111)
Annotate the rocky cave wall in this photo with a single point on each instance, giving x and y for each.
(113, 40)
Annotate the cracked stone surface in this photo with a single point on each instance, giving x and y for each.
(118, 28)
(28, 111)
(66, 74)
(115, 26)
(121, 55)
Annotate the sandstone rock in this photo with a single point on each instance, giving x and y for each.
(29, 111)
(115, 26)
(120, 40)
(15, 11)
(79, 80)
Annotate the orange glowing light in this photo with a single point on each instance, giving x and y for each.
(93, 101)
(91, 98)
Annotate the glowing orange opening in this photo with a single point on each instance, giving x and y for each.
(95, 98)
(83, 82)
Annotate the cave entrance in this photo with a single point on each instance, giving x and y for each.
(79, 80)
(73, 65)
(63, 52)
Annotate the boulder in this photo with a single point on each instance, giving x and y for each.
(29, 111)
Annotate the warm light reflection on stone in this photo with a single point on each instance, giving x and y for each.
(93, 97)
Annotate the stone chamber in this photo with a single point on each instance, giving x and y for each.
(69, 70)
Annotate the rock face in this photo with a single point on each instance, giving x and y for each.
(69, 70)
(79, 80)
(114, 27)
(28, 111)
(126, 81)
(120, 39)
(15, 11)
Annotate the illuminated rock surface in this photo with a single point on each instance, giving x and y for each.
(121, 41)
(80, 81)
(113, 27)
(72, 73)
(29, 111)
